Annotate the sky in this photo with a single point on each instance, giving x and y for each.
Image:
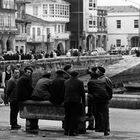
(118, 2)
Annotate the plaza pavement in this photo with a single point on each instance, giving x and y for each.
(125, 125)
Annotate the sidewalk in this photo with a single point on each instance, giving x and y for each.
(125, 125)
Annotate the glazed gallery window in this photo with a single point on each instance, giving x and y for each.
(45, 9)
(136, 24)
(35, 10)
(92, 4)
(118, 23)
(38, 31)
(8, 4)
(118, 42)
(1, 20)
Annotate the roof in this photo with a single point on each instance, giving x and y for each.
(31, 18)
(119, 9)
(53, 1)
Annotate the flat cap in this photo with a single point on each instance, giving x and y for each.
(47, 74)
(74, 73)
(59, 72)
(28, 68)
(101, 69)
(67, 67)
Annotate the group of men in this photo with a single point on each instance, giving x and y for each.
(64, 88)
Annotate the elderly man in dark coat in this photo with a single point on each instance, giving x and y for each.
(41, 91)
(24, 85)
(101, 90)
(74, 94)
(57, 88)
(11, 93)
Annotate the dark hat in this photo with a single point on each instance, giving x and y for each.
(46, 74)
(74, 73)
(59, 72)
(67, 67)
(28, 68)
(93, 69)
(101, 69)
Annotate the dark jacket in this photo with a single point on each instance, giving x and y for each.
(42, 89)
(11, 89)
(24, 88)
(74, 91)
(57, 90)
(100, 89)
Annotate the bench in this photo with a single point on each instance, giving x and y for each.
(43, 110)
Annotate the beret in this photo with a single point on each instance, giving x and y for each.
(28, 68)
(74, 73)
(67, 67)
(101, 69)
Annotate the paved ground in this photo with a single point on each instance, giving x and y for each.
(125, 125)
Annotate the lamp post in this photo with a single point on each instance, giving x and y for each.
(138, 21)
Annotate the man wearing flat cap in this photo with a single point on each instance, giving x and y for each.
(67, 69)
(103, 91)
(57, 88)
(41, 91)
(24, 85)
(74, 94)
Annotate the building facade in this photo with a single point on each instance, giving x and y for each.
(123, 26)
(87, 25)
(7, 25)
(22, 25)
(51, 34)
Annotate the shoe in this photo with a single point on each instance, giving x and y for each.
(13, 127)
(90, 128)
(73, 134)
(106, 133)
(66, 133)
(99, 130)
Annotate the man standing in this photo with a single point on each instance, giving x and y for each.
(57, 88)
(24, 91)
(24, 85)
(74, 94)
(11, 93)
(102, 93)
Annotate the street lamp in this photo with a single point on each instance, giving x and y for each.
(138, 22)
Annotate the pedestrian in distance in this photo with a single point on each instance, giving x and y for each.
(6, 75)
(11, 93)
(67, 69)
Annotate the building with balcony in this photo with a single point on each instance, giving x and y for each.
(22, 24)
(87, 25)
(7, 25)
(48, 28)
(123, 26)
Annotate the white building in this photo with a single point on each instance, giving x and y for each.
(7, 26)
(51, 33)
(123, 27)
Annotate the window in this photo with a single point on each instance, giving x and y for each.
(1, 20)
(92, 4)
(118, 43)
(38, 32)
(58, 28)
(47, 31)
(118, 23)
(136, 24)
(28, 30)
(45, 9)
(51, 10)
(33, 32)
(35, 10)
